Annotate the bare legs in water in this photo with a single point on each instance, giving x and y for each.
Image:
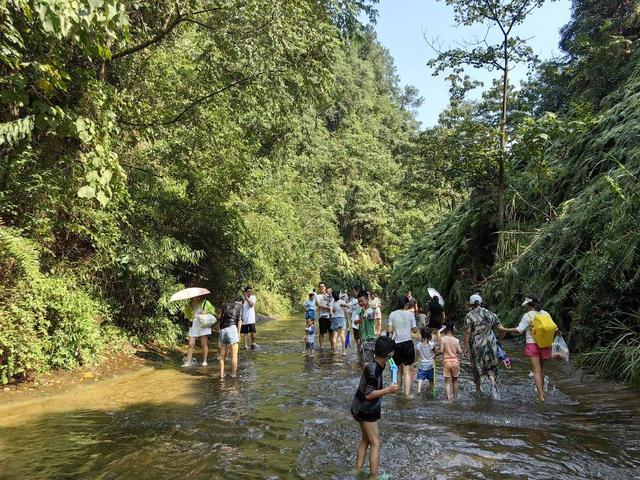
(234, 359)
(370, 438)
(451, 386)
(204, 343)
(538, 376)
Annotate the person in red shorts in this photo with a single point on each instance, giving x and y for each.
(536, 354)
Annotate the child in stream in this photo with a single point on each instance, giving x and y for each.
(310, 333)
(310, 307)
(367, 401)
(426, 350)
(451, 364)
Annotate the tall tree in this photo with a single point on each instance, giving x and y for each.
(501, 16)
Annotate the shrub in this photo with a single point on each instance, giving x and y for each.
(51, 322)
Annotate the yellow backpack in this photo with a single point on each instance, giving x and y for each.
(543, 329)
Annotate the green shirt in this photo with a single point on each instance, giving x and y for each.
(368, 325)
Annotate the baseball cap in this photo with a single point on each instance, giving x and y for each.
(531, 298)
(475, 299)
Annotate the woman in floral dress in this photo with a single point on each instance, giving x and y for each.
(480, 343)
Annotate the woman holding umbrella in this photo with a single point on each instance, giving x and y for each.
(201, 313)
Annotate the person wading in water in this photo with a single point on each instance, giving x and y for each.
(230, 325)
(323, 308)
(401, 324)
(480, 343)
(249, 318)
(537, 354)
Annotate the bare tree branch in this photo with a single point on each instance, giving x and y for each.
(206, 10)
(495, 17)
(133, 167)
(232, 32)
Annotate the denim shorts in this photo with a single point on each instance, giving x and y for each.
(229, 335)
(310, 315)
(338, 323)
(425, 374)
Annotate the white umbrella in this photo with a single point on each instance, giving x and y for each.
(188, 293)
(434, 293)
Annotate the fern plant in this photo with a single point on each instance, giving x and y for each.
(620, 358)
(19, 254)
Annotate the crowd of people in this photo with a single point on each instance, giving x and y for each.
(421, 339)
(414, 342)
(482, 331)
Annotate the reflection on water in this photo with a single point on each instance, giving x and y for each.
(288, 417)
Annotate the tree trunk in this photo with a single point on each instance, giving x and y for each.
(503, 137)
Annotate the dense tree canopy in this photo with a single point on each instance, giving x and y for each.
(151, 145)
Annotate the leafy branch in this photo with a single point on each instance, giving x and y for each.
(201, 100)
(171, 23)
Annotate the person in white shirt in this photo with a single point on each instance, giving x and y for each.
(338, 323)
(354, 309)
(426, 350)
(537, 355)
(249, 318)
(323, 309)
(402, 324)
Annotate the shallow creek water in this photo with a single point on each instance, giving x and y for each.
(288, 417)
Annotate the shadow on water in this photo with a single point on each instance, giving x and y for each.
(288, 417)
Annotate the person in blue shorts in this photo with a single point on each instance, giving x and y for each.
(310, 307)
(426, 350)
(229, 338)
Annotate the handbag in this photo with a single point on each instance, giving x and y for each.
(206, 320)
(207, 317)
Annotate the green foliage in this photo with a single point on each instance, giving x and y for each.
(579, 247)
(49, 322)
(621, 358)
(599, 42)
(182, 144)
(453, 257)
(571, 232)
(503, 17)
(19, 256)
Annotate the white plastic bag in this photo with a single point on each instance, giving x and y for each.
(559, 349)
(206, 320)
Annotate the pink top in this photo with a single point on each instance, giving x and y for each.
(450, 347)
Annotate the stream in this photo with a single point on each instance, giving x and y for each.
(288, 417)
